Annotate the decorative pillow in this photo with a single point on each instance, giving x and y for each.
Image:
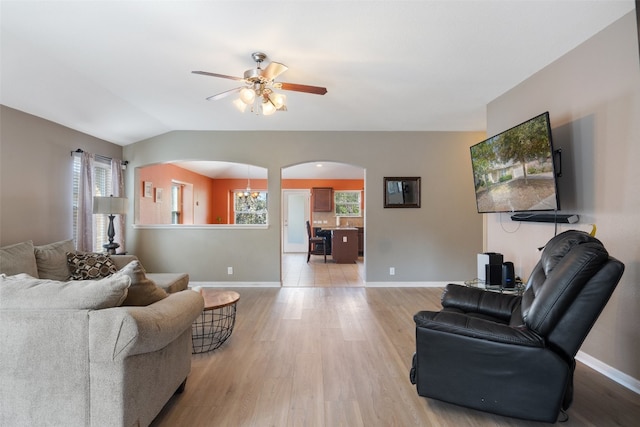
(25, 292)
(18, 258)
(52, 260)
(87, 266)
(143, 291)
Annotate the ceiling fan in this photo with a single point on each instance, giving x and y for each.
(259, 87)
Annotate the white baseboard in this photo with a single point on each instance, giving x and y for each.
(610, 372)
(234, 284)
(409, 284)
(193, 284)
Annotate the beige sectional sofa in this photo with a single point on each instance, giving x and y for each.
(108, 351)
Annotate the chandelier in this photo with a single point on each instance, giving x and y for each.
(247, 192)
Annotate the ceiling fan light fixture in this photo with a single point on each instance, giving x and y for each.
(259, 84)
(247, 95)
(268, 108)
(241, 106)
(279, 100)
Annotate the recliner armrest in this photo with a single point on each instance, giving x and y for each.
(474, 300)
(473, 327)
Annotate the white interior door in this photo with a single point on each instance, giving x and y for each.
(296, 213)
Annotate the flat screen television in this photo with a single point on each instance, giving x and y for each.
(514, 171)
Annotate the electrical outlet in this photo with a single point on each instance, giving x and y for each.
(392, 271)
(344, 239)
(229, 270)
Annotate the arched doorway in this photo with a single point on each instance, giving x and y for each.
(301, 184)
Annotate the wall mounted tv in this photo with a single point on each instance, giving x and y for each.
(514, 170)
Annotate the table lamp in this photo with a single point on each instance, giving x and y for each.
(110, 206)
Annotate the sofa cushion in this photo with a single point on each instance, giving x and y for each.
(88, 265)
(52, 260)
(18, 258)
(143, 291)
(121, 260)
(26, 292)
(170, 282)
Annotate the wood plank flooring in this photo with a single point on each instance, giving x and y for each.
(340, 356)
(297, 272)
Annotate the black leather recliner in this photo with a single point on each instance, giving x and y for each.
(514, 355)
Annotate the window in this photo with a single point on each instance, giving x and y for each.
(102, 187)
(347, 203)
(250, 208)
(176, 203)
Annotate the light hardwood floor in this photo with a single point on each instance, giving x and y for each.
(340, 356)
(297, 272)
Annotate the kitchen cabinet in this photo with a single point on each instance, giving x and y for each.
(322, 199)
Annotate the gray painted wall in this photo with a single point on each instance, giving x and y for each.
(36, 176)
(593, 97)
(437, 242)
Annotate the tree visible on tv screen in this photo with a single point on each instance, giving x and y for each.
(514, 170)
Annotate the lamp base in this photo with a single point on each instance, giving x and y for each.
(111, 247)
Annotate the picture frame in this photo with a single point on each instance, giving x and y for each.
(147, 189)
(158, 195)
(402, 192)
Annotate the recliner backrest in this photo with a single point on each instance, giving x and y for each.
(570, 264)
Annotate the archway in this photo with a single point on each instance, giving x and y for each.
(340, 207)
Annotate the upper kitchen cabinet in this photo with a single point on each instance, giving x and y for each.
(322, 199)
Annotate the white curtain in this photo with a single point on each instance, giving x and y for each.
(117, 186)
(84, 240)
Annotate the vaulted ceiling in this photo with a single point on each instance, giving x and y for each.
(121, 70)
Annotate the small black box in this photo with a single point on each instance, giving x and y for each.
(493, 274)
(508, 275)
(495, 258)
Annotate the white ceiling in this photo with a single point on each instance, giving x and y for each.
(121, 70)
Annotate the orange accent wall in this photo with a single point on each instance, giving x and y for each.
(197, 195)
(336, 184)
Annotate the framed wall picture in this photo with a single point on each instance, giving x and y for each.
(402, 192)
(158, 195)
(147, 190)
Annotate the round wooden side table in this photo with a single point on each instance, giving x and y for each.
(215, 324)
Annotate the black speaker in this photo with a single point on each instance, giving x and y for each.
(508, 275)
(493, 274)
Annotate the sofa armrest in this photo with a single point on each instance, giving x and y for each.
(473, 327)
(117, 333)
(474, 300)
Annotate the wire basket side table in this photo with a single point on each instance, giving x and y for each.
(215, 324)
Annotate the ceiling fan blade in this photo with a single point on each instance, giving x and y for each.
(317, 90)
(273, 70)
(206, 73)
(223, 94)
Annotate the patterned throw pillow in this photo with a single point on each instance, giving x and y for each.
(87, 266)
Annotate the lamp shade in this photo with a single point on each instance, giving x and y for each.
(268, 108)
(110, 205)
(247, 95)
(278, 99)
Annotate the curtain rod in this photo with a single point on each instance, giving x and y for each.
(80, 150)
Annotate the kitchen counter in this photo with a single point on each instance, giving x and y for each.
(344, 244)
(337, 228)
